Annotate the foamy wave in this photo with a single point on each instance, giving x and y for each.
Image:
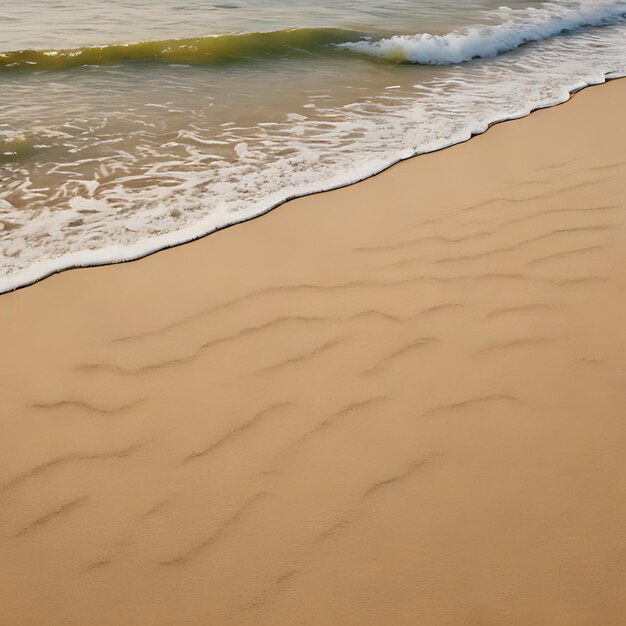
(69, 207)
(522, 26)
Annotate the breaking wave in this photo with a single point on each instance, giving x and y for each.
(519, 27)
(522, 26)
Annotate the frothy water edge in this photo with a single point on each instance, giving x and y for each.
(125, 253)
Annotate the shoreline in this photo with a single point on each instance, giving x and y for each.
(401, 402)
(148, 247)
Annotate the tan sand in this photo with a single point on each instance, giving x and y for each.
(399, 403)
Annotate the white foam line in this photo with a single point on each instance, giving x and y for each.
(524, 26)
(111, 255)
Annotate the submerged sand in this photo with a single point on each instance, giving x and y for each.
(402, 402)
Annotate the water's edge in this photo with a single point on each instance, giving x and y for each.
(98, 258)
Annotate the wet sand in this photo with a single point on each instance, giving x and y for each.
(403, 402)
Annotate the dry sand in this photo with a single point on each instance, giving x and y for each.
(399, 403)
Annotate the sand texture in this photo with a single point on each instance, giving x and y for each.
(399, 403)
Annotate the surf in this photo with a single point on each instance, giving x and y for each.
(517, 28)
(192, 51)
(522, 27)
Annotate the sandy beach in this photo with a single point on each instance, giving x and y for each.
(399, 403)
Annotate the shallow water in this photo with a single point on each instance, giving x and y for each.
(109, 150)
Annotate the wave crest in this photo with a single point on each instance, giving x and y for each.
(523, 26)
(519, 27)
(195, 51)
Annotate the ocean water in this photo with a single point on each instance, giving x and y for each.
(127, 126)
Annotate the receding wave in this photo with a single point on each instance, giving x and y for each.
(523, 26)
(125, 168)
(193, 51)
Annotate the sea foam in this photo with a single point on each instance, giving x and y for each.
(522, 26)
(132, 202)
